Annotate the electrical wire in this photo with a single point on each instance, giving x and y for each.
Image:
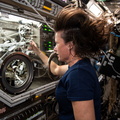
(115, 34)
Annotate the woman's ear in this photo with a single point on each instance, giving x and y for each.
(70, 45)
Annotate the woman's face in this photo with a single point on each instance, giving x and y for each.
(61, 48)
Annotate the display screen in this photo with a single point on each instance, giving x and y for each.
(95, 10)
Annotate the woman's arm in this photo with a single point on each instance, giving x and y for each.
(55, 69)
(84, 110)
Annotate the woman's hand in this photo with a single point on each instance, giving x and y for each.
(55, 69)
(34, 47)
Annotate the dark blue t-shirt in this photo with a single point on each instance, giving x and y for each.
(79, 83)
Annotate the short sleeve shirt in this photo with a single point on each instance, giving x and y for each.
(79, 83)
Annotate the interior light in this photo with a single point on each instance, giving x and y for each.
(44, 25)
(45, 29)
(49, 48)
(49, 42)
(37, 96)
(49, 30)
(50, 45)
(9, 17)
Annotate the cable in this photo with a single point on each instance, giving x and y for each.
(115, 34)
(110, 62)
(79, 4)
(38, 14)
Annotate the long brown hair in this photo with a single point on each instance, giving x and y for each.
(88, 35)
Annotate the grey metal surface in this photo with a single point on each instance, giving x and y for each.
(37, 87)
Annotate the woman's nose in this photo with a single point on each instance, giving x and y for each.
(54, 48)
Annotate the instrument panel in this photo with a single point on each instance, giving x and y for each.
(46, 8)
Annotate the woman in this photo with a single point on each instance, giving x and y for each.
(77, 38)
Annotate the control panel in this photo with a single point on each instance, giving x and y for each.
(45, 7)
(46, 38)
